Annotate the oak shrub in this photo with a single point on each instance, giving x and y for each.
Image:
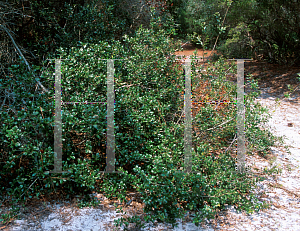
(148, 129)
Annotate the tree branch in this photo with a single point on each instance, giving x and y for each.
(219, 125)
(19, 51)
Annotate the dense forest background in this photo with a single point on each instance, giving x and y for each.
(262, 29)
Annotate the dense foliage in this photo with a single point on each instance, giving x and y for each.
(149, 125)
(260, 29)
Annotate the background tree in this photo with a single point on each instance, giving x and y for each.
(261, 29)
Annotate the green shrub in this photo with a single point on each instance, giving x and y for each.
(217, 182)
(139, 114)
(62, 24)
(148, 127)
(238, 45)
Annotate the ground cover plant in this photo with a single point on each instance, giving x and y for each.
(148, 126)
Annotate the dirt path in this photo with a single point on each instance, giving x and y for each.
(283, 190)
(190, 49)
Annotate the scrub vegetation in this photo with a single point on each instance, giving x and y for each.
(149, 89)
